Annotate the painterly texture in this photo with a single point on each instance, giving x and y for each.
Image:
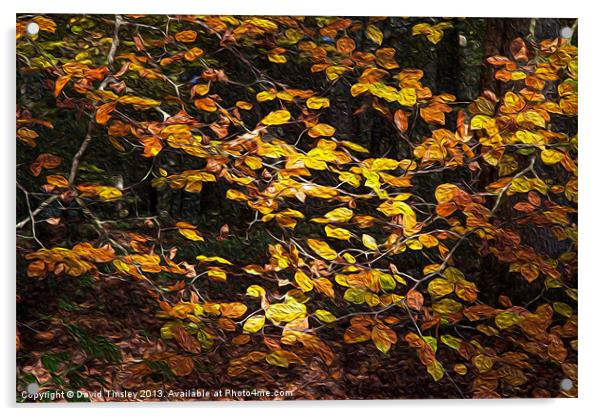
(338, 208)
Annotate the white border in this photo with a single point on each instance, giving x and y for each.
(590, 291)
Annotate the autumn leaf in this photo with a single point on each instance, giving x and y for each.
(374, 34)
(45, 161)
(285, 312)
(414, 299)
(321, 129)
(233, 310)
(338, 233)
(401, 120)
(60, 84)
(325, 316)
(383, 337)
(304, 281)
(369, 242)
(254, 323)
(186, 36)
(103, 114)
(322, 249)
(276, 117)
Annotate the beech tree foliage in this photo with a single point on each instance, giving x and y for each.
(451, 237)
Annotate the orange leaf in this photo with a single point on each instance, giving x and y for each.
(414, 299)
(401, 120)
(60, 84)
(103, 114)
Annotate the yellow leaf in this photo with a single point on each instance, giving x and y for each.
(374, 34)
(256, 291)
(321, 129)
(392, 208)
(213, 259)
(254, 323)
(339, 214)
(200, 89)
(236, 195)
(193, 235)
(304, 281)
(282, 358)
(338, 233)
(216, 273)
(285, 312)
(45, 24)
(436, 371)
(355, 295)
(460, 369)
(322, 249)
(480, 122)
(264, 24)
(551, 156)
(447, 307)
(407, 97)
(359, 88)
(482, 362)
(440, 287)
(277, 58)
(383, 337)
(369, 242)
(325, 316)
(446, 192)
(354, 146)
(206, 104)
(333, 72)
(451, 341)
(138, 101)
(532, 117)
(563, 309)
(383, 163)
(316, 103)
(265, 96)
(506, 320)
(276, 117)
(109, 193)
(349, 257)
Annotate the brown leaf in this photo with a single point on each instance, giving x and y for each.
(414, 299)
(186, 341)
(401, 120)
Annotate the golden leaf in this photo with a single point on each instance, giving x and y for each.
(276, 117)
(322, 249)
(186, 36)
(369, 242)
(446, 192)
(321, 129)
(338, 233)
(254, 323)
(233, 310)
(103, 114)
(325, 316)
(193, 235)
(316, 103)
(383, 337)
(374, 34)
(285, 312)
(304, 281)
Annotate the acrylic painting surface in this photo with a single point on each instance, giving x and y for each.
(295, 208)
